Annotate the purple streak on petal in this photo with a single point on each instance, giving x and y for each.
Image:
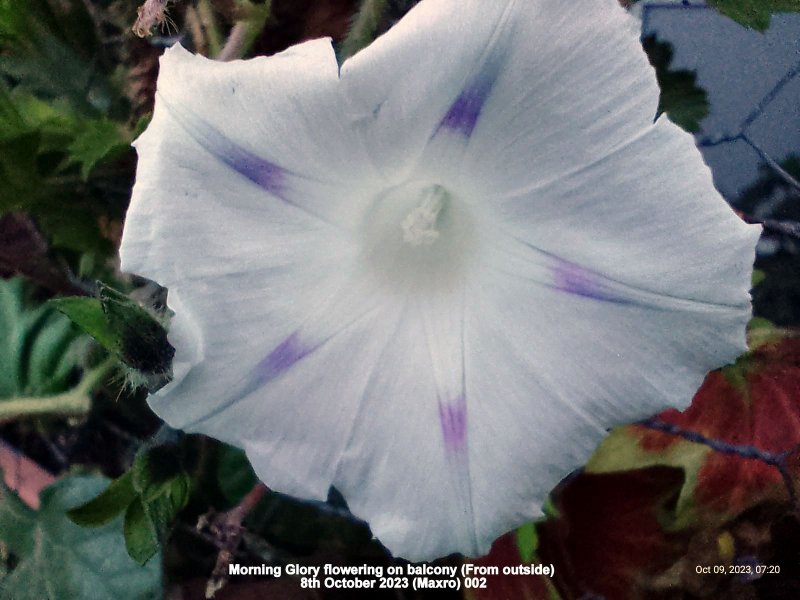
(453, 418)
(260, 171)
(283, 357)
(465, 111)
(263, 173)
(574, 279)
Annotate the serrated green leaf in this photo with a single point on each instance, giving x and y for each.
(151, 494)
(108, 505)
(99, 140)
(162, 508)
(34, 140)
(53, 50)
(161, 490)
(58, 560)
(684, 102)
(21, 113)
(755, 14)
(149, 517)
(87, 313)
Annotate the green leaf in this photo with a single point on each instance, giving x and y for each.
(141, 539)
(234, 473)
(39, 348)
(105, 507)
(19, 174)
(755, 14)
(99, 140)
(149, 518)
(758, 277)
(87, 313)
(151, 493)
(34, 141)
(163, 487)
(53, 50)
(58, 560)
(527, 542)
(684, 102)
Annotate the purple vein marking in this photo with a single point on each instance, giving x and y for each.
(263, 173)
(453, 418)
(465, 111)
(574, 279)
(282, 358)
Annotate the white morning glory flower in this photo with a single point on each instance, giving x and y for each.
(435, 277)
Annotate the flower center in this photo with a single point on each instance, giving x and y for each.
(419, 227)
(418, 235)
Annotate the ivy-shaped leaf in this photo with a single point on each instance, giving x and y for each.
(53, 51)
(54, 559)
(755, 14)
(684, 102)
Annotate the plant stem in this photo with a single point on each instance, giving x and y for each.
(778, 460)
(227, 530)
(364, 27)
(245, 31)
(75, 402)
(209, 23)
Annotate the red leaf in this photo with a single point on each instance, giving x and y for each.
(607, 539)
(756, 403)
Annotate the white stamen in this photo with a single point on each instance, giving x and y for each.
(419, 227)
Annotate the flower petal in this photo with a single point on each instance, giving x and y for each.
(415, 402)
(566, 372)
(520, 81)
(241, 229)
(406, 465)
(609, 217)
(573, 85)
(389, 85)
(278, 122)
